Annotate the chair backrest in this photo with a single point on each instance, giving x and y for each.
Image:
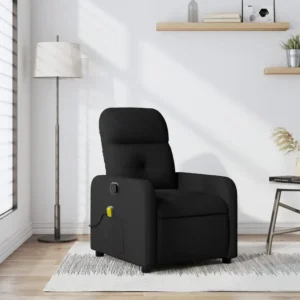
(135, 144)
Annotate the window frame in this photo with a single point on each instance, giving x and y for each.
(15, 112)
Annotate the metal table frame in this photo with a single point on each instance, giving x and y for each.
(272, 231)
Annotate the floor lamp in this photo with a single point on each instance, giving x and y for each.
(57, 60)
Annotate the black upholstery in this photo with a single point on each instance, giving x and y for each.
(192, 239)
(160, 217)
(135, 144)
(223, 187)
(185, 203)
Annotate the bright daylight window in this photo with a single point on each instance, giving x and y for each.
(8, 105)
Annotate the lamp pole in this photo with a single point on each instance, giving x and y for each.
(57, 237)
(57, 206)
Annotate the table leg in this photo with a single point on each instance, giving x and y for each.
(273, 222)
(272, 217)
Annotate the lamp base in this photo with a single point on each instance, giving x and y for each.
(64, 238)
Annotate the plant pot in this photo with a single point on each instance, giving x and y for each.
(293, 58)
(297, 169)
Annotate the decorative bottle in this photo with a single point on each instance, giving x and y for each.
(193, 12)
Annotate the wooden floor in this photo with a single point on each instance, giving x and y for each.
(25, 273)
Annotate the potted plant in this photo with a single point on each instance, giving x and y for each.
(286, 143)
(292, 47)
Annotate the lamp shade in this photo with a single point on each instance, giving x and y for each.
(58, 59)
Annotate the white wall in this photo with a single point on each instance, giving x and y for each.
(16, 227)
(210, 87)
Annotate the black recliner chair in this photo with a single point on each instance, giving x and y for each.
(143, 212)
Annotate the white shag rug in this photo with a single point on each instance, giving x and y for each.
(252, 270)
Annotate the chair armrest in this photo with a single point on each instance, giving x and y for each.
(221, 186)
(135, 208)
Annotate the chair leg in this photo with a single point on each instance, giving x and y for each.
(226, 260)
(99, 254)
(145, 270)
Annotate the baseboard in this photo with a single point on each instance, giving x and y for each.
(66, 228)
(83, 228)
(262, 228)
(15, 241)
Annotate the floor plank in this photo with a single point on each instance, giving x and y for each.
(25, 273)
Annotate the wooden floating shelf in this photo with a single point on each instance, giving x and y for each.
(282, 71)
(222, 26)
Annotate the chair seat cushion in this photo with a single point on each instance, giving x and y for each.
(181, 203)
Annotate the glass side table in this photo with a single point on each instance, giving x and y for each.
(281, 180)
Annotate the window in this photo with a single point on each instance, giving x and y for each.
(8, 105)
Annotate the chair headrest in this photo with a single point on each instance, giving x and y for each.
(133, 126)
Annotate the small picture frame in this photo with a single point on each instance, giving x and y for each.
(258, 11)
